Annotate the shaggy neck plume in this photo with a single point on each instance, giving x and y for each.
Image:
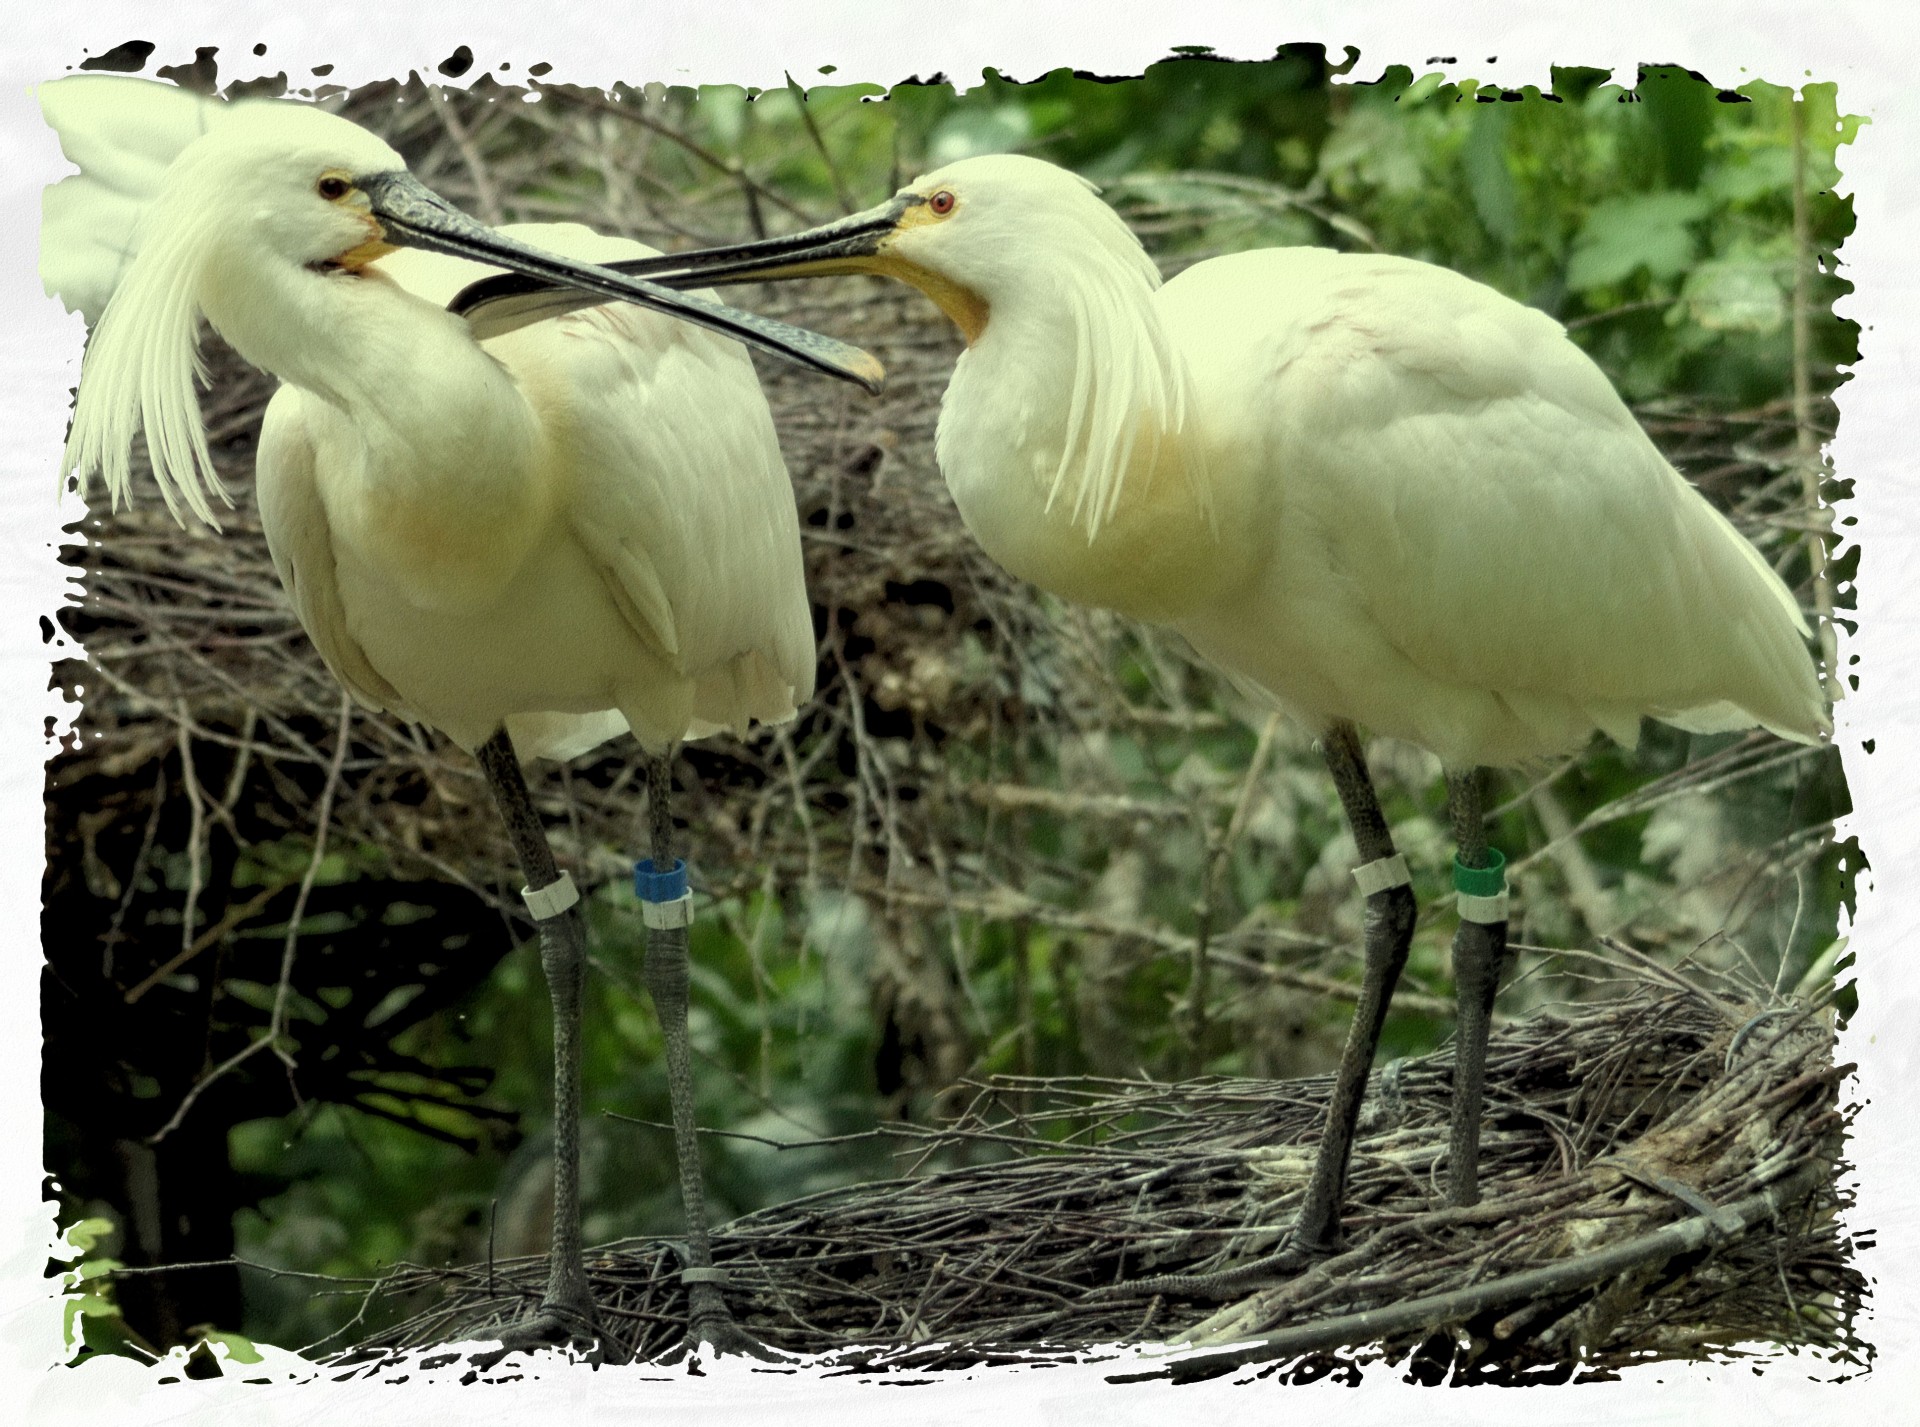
(1105, 399)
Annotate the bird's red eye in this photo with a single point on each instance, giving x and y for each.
(332, 187)
(941, 203)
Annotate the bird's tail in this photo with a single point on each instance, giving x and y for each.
(1770, 677)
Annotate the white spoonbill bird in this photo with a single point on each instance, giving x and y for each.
(537, 540)
(1368, 488)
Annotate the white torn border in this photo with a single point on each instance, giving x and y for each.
(1863, 46)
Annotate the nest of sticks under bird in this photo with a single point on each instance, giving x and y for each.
(1658, 1182)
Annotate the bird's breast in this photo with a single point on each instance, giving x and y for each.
(451, 524)
(551, 641)
(1154, 556)
(1153, 551)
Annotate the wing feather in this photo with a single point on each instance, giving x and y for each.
(295, 523)
(689, 494)
(677, 486)
(1476, 491)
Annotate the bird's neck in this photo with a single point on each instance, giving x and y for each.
(437, 458)
(401, 368)
(1068, 440)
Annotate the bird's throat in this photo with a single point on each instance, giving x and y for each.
(964, 307)
(356, 258)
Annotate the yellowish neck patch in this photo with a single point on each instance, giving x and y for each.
(376, 246)
(967, 309)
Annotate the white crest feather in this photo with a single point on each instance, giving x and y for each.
(141, 369)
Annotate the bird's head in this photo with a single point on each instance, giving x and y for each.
(990, 229)
(289, 185)
(973, 236)
(274, 196)
(269, 194)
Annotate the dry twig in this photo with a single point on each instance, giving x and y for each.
(1644, 1148)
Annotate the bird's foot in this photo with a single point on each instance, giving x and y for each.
(718, 1336)
(711, 1329)
(722, 1337)
(553, 1326)
(1285, 1263)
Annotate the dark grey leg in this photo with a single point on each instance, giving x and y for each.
(1479, 961)
(567, 1311)
(709, 1322)
(1389, 933)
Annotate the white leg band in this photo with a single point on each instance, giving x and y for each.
(677, 913)
(1379, 876)
(551, 900)
(1485, 910)
(704, 1275)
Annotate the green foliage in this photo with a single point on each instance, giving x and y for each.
(1650, 233)
(94, 1322)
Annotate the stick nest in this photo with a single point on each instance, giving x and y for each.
(1664, 1104)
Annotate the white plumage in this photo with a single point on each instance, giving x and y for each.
(577, 526)
(1388, 494)
(1464, 538)
(570, 528)
(123, 135)
(637, 559)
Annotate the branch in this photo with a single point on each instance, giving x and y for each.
(322, 820)
(1435, 1310)
(1806, 445)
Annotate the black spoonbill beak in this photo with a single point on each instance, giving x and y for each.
(413, 215)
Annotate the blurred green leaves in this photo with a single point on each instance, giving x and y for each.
(1737, 293)
(1004, 128)
(94, 1323)
(1650, 233)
